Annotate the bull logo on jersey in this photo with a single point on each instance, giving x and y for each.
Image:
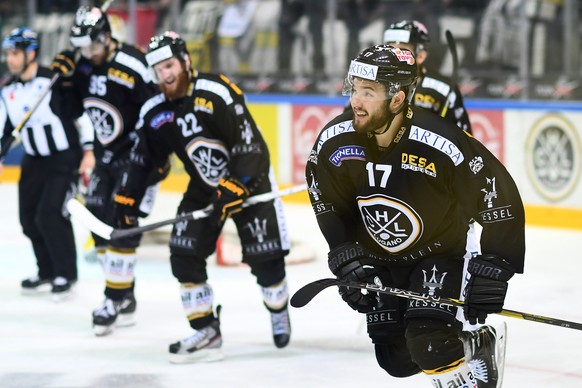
(392, 223)
(106, 119)
(435, 281)
(210, 158)
(490, 194)
(258, 230)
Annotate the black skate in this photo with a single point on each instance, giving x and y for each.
(203, 346)
(62, 289)
(114, 314)
(35, 285)
(485, 354)
(281, 327)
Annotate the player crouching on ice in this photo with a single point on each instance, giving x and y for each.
(393, 188)
(204, 120)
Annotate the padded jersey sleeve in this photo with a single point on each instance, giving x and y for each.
(332, 197)
(489, 195)
(235, 126)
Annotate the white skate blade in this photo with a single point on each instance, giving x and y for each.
(102, 330)
(62, 296)
(40, 290)
(125, 320)
(204, 355)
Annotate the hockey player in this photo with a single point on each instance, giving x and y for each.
(433, 90)
(56, 152)
(204, 120)
(393, 188)
(431, 93)
(111, 82)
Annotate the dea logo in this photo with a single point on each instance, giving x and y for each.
(390, 222)
(553, 157)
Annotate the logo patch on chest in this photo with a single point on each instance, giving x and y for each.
(210, 158)
(393, 224)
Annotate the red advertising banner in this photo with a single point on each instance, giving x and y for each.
(307, 122)
(488, 128)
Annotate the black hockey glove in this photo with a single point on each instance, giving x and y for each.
(487, 287)
(228, 200)
(126, 211)
(344, 262)
(64, 63)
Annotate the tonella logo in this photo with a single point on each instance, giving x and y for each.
(553, 157)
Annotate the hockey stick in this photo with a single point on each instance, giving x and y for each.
(455, 72)
(306, 293)
(26, 117)
(16, 131)
(107, 232)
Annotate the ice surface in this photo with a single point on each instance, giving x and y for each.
(43, 344)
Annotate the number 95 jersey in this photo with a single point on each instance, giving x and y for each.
(416, 197)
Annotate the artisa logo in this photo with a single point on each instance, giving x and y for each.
(553, 157)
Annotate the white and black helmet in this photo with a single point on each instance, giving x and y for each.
(91, 25)
(394, 67)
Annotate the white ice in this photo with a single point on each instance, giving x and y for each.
(43, 344)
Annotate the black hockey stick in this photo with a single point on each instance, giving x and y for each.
(306, 293)
(454, 73)
(108, 232)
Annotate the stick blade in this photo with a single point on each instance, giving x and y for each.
(309, 291)
(85, 217)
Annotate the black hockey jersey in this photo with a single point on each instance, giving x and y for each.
(432, 92)
(210, 130)
(50, 128)
(112, 95)
(416, 197)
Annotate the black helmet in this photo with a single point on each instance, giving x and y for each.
(91, 25)
(22, 38)
(407, 32)
(394, 67)
(165, 46)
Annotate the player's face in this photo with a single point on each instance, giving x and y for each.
(172, 77)
(15, 61)
(96, 53)
(370, 105)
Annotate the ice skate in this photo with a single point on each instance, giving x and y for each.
(203, 346)
(485, 353)
(114, 314)
(62, 289)
(34, 285)
(281, 328)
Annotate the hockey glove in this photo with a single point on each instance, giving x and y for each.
(344, 262)
(487, 287)
(228, 200)
(64, 63)
(126, 211)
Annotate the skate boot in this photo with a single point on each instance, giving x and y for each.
(62, 289)
(203, 346)
(114, 314)
(485, 354)
(34, 285)
(281, 327)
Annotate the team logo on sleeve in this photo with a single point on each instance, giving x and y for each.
(393, 224)
(161, 118)
(349, 152)
(210, 158)
(106, 119)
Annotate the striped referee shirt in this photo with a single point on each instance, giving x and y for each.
(45, 133)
